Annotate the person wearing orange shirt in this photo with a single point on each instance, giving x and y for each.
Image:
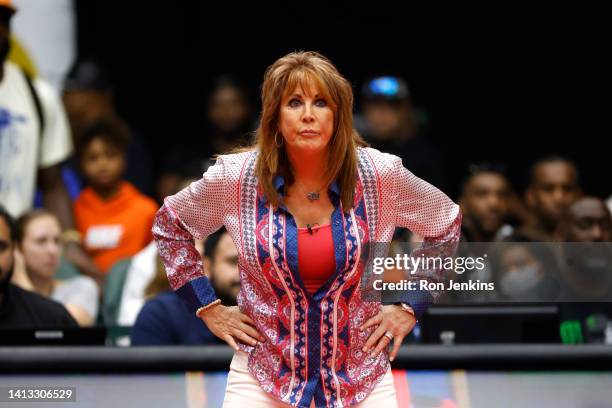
(114, 218)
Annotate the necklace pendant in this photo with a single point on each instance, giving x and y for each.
(312, 196)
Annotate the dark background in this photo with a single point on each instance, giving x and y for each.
(505, 82)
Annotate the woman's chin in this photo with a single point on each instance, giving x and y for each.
(309, 146)
(49, 271)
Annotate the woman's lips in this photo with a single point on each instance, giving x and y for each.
(309, 133)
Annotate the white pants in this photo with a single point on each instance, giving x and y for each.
(244, 391)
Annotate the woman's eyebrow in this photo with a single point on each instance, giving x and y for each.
(301, 96)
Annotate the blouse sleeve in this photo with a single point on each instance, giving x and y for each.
(427, 211)
(194, 212)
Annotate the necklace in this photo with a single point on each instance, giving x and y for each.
(313, 196)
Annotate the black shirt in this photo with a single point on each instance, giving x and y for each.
(22, 309)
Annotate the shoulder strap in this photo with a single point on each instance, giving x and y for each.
(37, 103)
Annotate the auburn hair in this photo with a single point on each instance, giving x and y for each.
(305, 69)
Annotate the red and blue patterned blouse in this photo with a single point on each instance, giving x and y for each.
(313, 347)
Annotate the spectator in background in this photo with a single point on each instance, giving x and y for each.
(586, 267)
(485, 203)
(165, 319)
(525, 272)
(553, 186)
(137, 278)
(20, 308)
(114, 218)
(230, 115)
(230, 120)
(34, 141)
(585, 233)
(89, 97)
(38, 243)
(392, 125)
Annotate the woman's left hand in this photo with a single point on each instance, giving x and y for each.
(391, 319)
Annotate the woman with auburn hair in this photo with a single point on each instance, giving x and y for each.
(301, 205)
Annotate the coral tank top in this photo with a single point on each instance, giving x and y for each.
(316, 259)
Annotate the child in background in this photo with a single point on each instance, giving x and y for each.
(114, 218)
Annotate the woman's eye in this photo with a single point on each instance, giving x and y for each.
(294, 103)
(321, 103)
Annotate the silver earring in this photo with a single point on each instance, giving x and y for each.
(276, 140)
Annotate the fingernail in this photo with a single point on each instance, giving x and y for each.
(392, 358)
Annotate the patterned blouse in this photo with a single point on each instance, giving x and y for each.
(313, 346)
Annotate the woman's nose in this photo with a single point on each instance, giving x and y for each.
(53, 248)
(307, 116)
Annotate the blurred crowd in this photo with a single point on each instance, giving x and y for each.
(78, 193)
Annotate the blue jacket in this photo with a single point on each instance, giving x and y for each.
(165, 320)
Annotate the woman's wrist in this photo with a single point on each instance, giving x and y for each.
(199, 313)
(407, 308)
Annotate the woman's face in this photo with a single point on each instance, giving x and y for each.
(306, 121)
(41, 246)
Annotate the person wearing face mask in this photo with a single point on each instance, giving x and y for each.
(20, 308)
(523, 273)
(39, 245)
(518, 283)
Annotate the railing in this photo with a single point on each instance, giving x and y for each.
(217, 358)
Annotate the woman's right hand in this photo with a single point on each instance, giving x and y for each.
(230, 324)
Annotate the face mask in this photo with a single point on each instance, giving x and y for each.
(519, 282)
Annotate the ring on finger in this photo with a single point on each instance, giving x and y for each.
(389, 335)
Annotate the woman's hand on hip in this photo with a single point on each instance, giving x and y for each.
(230, 324)
(392, 319)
